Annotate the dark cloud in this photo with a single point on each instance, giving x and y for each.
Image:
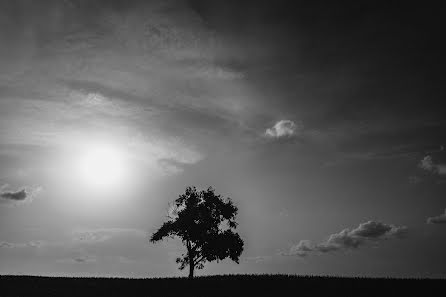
(21, 195)
(372, 229)
(348, 239)
(441, 219)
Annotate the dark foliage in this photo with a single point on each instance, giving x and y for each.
(205, 222)
(227, 285)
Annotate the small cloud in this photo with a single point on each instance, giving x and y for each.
(348, 239)
(257, 259)
(20, 195)
(302, 248)
(36, 243)
(441, 219)
(428, 164)
(32, 244)
(80, 258)
(283, 128)
(104, 234)
(215, 72)
(91, 236)
(284, 213)
(84, 259)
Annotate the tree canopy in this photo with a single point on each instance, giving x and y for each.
(205, 222)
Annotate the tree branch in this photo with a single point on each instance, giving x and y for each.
(198, 260)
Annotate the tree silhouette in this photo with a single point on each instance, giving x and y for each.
(204, 222)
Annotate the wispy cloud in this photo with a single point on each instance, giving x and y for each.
(168, 153)
(31, 244)
(79, 257)
(257, 259)
(139, 71)
(349, 239)
(104, 234)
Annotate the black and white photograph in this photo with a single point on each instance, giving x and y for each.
(222, 148)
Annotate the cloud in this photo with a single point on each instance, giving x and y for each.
(440, 219)
(428, 164)
(257, 259)
(348, 239)
(372, 229)
(104, 234)
(91, 236)
(160, 75)
(32, 244)
(283, 128)
(20, 195)
(84, 259)
(216, 72)
(170, 167)
(301, 248)
(79, 258)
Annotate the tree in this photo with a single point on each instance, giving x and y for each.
(204, 222)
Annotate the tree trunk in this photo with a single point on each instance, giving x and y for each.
(191, 261)
(191, 269)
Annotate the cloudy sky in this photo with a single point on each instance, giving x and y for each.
(324, 124)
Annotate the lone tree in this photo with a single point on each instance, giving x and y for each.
(204, 222)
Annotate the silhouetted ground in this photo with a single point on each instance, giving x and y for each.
(226, 285)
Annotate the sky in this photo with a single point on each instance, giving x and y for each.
(324, 123)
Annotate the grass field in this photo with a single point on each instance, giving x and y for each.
(225, 285)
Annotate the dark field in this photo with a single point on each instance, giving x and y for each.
(227, 285)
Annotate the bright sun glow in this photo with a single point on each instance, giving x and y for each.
(101, 166)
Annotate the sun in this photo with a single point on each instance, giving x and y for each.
(101, 166)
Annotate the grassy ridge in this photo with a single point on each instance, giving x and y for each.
(225, 285)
